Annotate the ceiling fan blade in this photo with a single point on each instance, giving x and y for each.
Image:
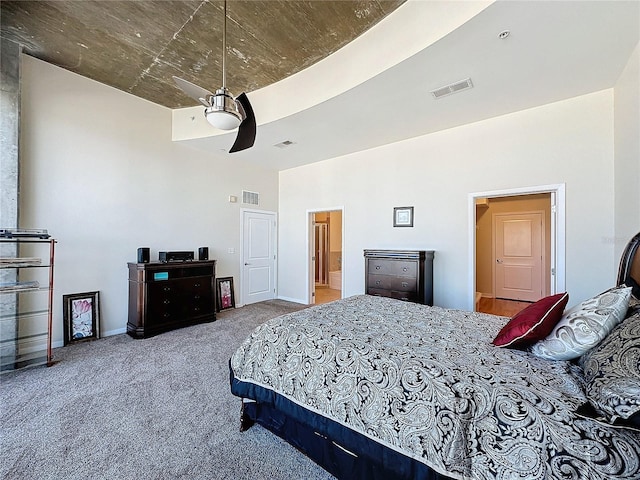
(194, 91)
(247, 129)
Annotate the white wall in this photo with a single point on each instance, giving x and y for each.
(567, 142)
(100, 172)
(627, 153)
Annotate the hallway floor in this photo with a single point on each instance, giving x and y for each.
(325, 294)
(498, 306)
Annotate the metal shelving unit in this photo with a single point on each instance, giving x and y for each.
(26, 302)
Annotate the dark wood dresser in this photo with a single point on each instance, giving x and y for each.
(402, 274)
(165, 296)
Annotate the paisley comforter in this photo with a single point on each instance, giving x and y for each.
(427, 382)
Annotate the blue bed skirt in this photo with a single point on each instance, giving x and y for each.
(344, 453)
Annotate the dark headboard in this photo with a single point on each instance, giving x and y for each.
(629, 272)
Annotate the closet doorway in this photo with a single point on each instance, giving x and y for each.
(325, 248)
(507, 276)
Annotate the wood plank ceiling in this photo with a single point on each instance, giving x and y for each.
(136, 46)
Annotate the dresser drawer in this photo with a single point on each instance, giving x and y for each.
(388, 282)
(199, 303)
(164, 305)
(393, 267)
(406, 296)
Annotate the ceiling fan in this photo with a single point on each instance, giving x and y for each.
(222, 110)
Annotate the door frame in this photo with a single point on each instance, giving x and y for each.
(243, 211)
(311, 277)
(557, 230)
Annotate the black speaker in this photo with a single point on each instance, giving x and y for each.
(143, 255)
(203, 253)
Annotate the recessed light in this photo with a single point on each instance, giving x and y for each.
(503, 34)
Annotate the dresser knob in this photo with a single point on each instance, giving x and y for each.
(167, 289)
(197, 285)
(377, 282)
(196, 297)
(404, 269)
(377, 267)
(167, 315)
(167, 302)
(405, 284)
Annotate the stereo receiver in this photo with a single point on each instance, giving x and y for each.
(175, 256)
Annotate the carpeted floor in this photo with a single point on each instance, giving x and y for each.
(158, 408)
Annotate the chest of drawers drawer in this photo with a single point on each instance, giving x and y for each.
(393, 267)
(390, 282)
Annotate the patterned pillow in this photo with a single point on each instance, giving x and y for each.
(533, 323)
(634, 305)
(612, 373)
(584, 326)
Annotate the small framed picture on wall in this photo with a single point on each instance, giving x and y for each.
(224, 293)
(403, 217)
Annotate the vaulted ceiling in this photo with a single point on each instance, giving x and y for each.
(556, 50)
(137, 46)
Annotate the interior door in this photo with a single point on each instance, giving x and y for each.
(258, 256)
(519, 256)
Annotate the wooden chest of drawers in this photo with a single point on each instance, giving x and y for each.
(165, 296)
(402, 274)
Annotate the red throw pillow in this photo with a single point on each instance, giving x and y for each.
(533, 323)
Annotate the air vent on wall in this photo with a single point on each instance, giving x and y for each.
(452, 88)
(252, 198)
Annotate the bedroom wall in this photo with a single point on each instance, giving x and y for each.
(100, 172)
(627, 153)
(566, 142)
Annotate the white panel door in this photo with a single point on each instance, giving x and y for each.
(258, 256)
(518, 256)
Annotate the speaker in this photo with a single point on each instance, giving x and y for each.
(203, 253)
(143, 255)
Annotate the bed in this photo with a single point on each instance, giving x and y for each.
(376, 388)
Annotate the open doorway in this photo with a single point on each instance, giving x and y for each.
(325, 256)
(517, 241)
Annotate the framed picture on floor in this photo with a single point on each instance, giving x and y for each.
(81, 316)
(224, 293)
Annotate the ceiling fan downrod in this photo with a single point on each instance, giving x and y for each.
(224, 113)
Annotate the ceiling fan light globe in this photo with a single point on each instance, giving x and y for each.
(223, 112)
(223, 120)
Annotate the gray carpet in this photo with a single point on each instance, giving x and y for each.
(158, 408)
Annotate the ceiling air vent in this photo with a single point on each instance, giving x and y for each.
(250, 198)
(452, 88)
(284, 144)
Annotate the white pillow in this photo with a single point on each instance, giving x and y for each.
(584, 326)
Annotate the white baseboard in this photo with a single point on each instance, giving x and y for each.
(117, 331)
(294, 300)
